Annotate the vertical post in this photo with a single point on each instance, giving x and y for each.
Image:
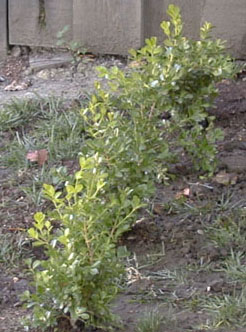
(3, 29)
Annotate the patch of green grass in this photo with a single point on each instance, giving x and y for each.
(150, 322)
(171, 276)
(235, 267)
(38, 125)
(14, 153)
(228, 231)
(63, 135)
(21, 112)
(29, 125)
(226, 310)
(13, 248)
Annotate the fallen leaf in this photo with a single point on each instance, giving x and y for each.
(186, 192)
(32, 155)
(183, 193)
(40, 156)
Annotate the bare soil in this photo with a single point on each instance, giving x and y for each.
(163, 240)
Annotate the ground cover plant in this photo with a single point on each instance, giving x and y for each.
(187, 234)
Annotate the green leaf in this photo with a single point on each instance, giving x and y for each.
(85, 316)
(47, 224)
(63, 239)
(33, 233)
(78, 188)
(173, 11)
(70, 189)
(136, 201)
(39, 217)
(36, 264)
(49, 190)
(94, 271)
(166, 27)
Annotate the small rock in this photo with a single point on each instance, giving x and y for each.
(30, 95)
(225, 178)
(18, 86)
(43, 74)
(158, 209)
(81, 68)
(68, 74)
(2, 79)
(16, 51)
(53, 73)
(217, 285)
(25, 50)
(28, 71)
(61, 71)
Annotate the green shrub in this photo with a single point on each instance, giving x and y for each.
(148, 116)
(165, 97)
(78, 279)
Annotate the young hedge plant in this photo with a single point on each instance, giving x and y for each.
(166, 95)
(78, 280)
(149, 115)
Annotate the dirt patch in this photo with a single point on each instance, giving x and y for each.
(175, 263)
(51, 74)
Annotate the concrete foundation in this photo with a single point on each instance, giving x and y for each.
(3, 29)
(108, 26)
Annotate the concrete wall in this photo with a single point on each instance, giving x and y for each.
(27, 28)
(108, 26)
(114, 26)
(3, 29)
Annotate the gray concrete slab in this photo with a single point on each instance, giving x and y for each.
(108, 26)
(32, 25)
(3, 29)
(38, 63)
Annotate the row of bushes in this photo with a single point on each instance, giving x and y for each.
(148, 117)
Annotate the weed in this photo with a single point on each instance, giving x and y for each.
(74, 48)
(42, 14)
